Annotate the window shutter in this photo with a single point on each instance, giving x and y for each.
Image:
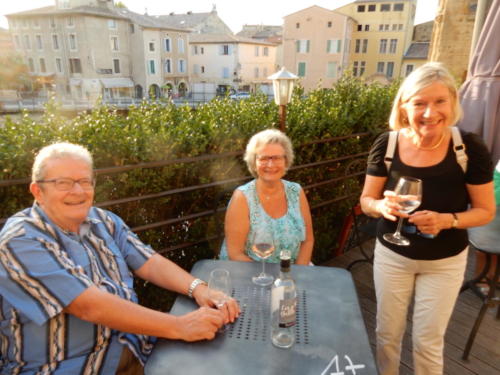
(308, 45)
(297, 45)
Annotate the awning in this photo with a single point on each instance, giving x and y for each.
(111, 83)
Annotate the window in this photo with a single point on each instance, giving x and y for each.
(75, 66)
(383, 46)
(357, 48)
(167, 44)
(202, 50)
(393, 46)
(385, 7)
(151, 46)
(257, 50)
(52, 22)
(365, 46)
(225, 72)
(380, 27)
(297, 25)
(256, 72)
(302, 46)
(39, 44)
(409, 69)
(72, 41)
(31, 65)
(167, 66)
(224, 49)
(25, 23)
(362, 68)
(43, 68)
(331, 69)
(390, 69)
(329, 24)
(116, 66)
(182, 66)
(386, 27)
(27, 42)
(180, 45)
(202, 69)
(367, 27)
(70, 22)
(64, 4)
(361, 8)
(36, 23)
(355, 69)
(59, 68)
(301, 69)
(371, 8)
(400, 27)
(398, 7)
(360, 27)
(132, 28)
(333, 46)
(264, 72)
(112, 24)
(265, 52)
(195, 50)
(380, 67)
(152, 67)
(114, 43)
(55, 41)
(17, 42)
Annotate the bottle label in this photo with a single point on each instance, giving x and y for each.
(287, 316)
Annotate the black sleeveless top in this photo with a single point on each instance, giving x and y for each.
(443, 191)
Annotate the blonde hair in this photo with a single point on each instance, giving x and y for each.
(263, 138)
(419, 79)
(61, 150)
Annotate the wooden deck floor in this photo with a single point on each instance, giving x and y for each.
(484, 358)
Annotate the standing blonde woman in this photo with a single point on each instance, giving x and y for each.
(432, 267)
(282, 204)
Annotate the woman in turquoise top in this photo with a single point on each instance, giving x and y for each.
(269, 200)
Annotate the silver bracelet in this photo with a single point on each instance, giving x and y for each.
(193, 286)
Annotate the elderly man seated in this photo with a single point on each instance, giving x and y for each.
(67, 303)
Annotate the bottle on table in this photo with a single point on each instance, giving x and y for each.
(283, 305)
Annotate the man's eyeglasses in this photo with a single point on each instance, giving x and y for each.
(66, 184)
(274, 158)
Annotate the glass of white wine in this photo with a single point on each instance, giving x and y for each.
(409, 192)
(263, 247)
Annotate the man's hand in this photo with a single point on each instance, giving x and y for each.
(201, 324)
(230, 309)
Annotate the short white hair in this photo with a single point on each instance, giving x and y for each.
(264, 138)
(61, 150)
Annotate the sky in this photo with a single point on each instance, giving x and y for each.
(235, 13)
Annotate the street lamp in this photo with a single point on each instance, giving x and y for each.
(283, 82)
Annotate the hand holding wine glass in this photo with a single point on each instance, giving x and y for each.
(263, 247)
(409, 197)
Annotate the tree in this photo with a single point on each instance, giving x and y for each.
(13, 72)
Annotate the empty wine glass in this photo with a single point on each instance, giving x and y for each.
(409, 193)
(219, 288)
(263, 247)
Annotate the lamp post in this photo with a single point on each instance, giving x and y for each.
(283, 82)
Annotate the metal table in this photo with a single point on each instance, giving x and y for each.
(330, 333)
(487, 240)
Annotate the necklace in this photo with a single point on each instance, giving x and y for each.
(431, 147)
(270, 195)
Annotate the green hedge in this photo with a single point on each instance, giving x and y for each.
(157, 131)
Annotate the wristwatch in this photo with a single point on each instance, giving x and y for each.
(193, 286)
(454, 224)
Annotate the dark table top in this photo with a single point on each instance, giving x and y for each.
(330, 333)
(487, 237)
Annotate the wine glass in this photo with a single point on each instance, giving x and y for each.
(409, 193)
(219, 288)
(263, 247)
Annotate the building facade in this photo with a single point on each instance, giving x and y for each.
(316, 44)
(382, 35)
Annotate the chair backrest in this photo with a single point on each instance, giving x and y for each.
(356, 229)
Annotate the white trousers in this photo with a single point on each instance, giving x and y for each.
(436, 284)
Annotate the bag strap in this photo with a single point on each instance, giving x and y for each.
(391, 148)
(459, 148)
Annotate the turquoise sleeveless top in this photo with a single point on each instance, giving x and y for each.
(289, 230)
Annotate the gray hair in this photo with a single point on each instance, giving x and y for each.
(264, 138)
(61, 150)
(419, 79)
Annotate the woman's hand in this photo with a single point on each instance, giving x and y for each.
(429, 222)
(389, 206)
